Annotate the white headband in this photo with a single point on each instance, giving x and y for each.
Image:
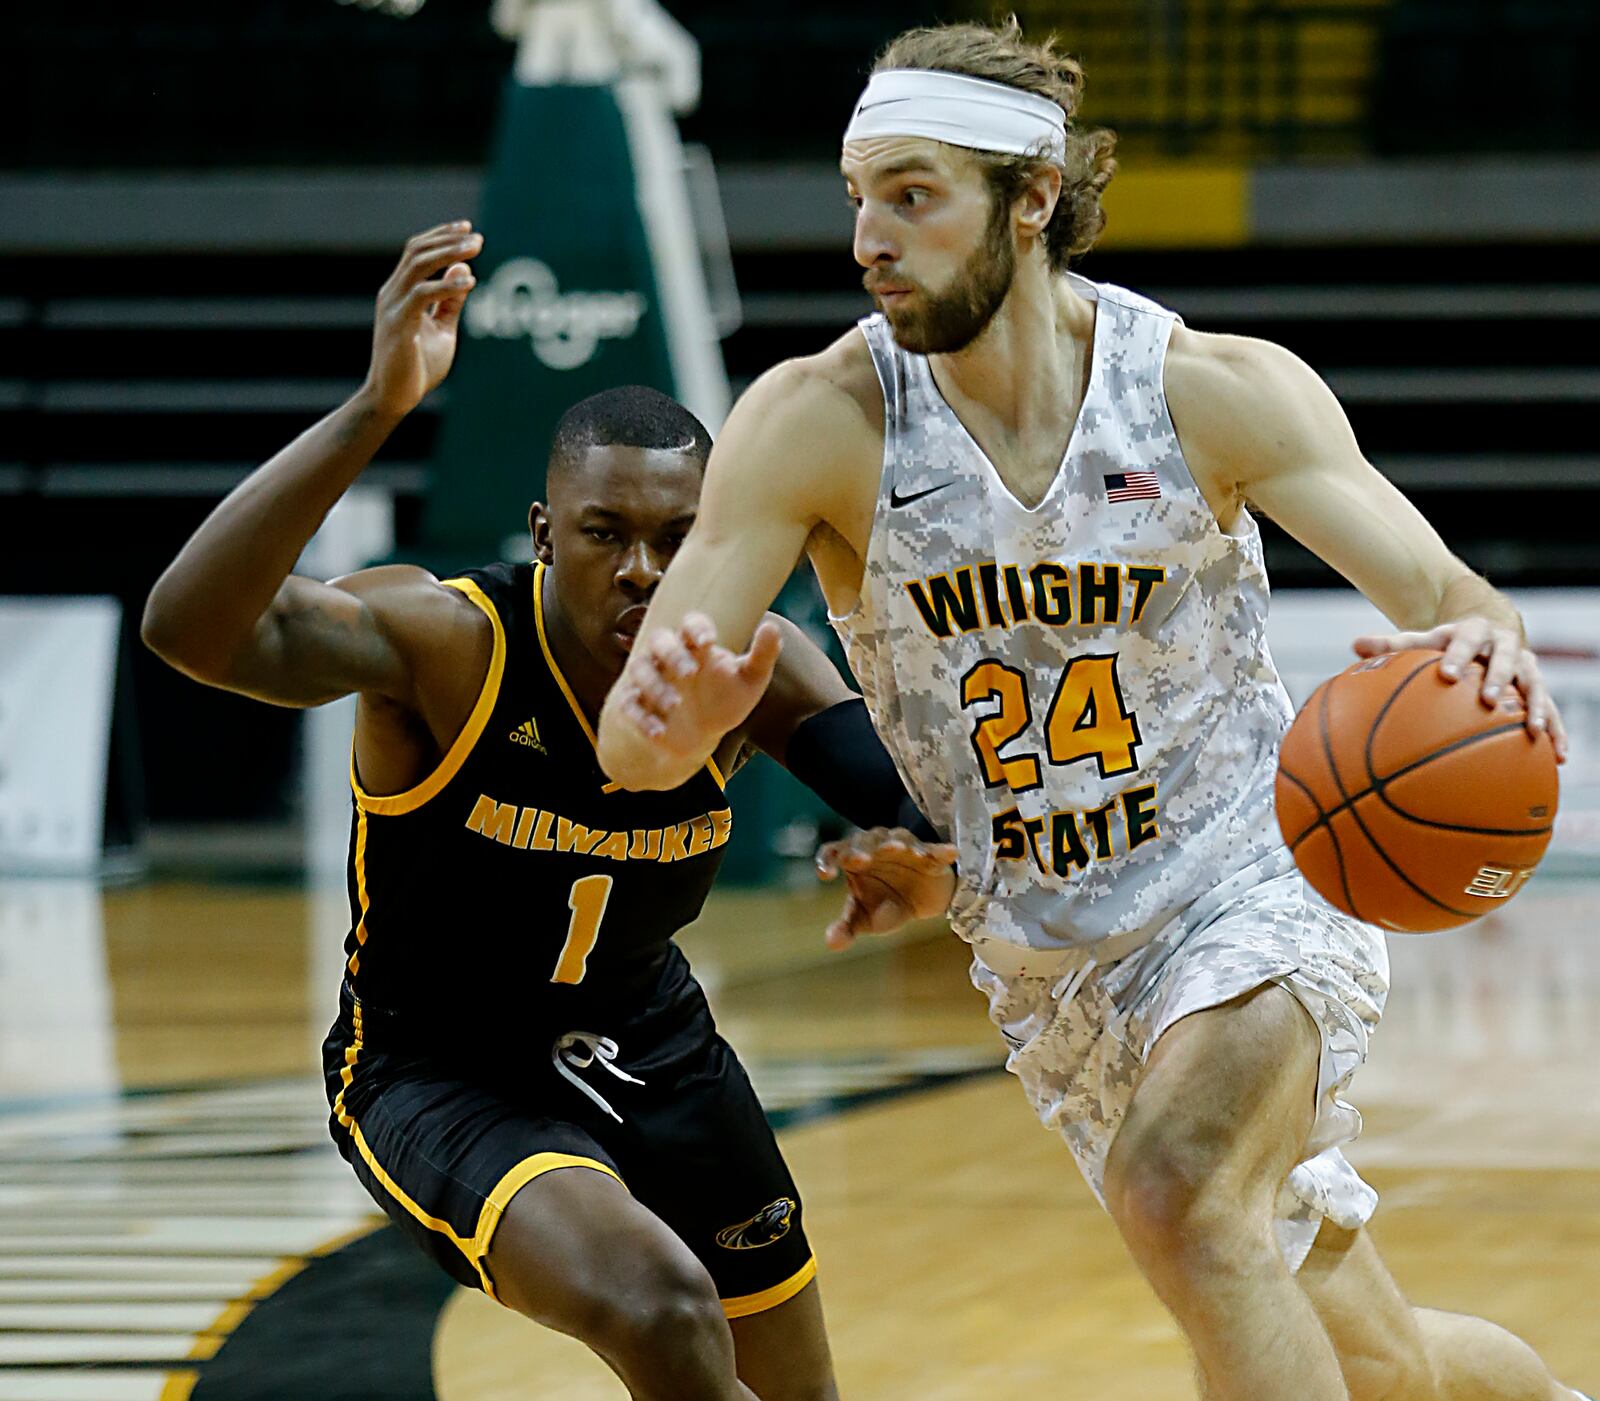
(960, 111)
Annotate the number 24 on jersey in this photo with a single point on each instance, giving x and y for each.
(1086, 721)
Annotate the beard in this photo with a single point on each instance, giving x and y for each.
(951, 320)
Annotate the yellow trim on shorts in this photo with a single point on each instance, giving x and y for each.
(394, 1189)
(394, 804)
(746, 1304)
(508, 1187)
(476, 1250)
(363, 900)
(352, 1053)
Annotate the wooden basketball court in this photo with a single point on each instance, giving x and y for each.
(172, 1206)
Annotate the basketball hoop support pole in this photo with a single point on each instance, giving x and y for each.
(591, 274)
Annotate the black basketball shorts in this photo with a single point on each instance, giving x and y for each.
(442, 1142)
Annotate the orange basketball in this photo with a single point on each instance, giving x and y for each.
(1408, 802)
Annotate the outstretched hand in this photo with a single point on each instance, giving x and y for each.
(891, 877)
(683, 691)
(419, 315)
(1507, 661)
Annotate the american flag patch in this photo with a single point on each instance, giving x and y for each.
(1132, 486)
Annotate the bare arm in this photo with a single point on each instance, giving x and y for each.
(1257, 422)
(227, 611)
(788, 459)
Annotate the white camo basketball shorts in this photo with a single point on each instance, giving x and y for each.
(1080, 1035)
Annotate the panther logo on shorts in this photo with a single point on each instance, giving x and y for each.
(769, 1224)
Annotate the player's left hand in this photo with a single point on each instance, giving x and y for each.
(1507, 661)
(891, 877)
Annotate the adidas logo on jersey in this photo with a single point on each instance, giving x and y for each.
(527, 735)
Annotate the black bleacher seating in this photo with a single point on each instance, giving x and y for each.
(1483, 76)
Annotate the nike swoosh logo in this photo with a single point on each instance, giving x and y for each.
(896, 500)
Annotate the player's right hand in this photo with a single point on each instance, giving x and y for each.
(418, 316)
(1508, 661)
(891, 876)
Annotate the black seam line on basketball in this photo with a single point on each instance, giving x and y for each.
(1321, 819)
(1400, 812)
(1355, 816)
(1412, 767)
(1327, 753)
(1380, 784)
(1344, 878)
(1327, 750)
(1390, 701)
(1372, 729)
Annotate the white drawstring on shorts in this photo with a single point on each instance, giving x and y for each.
(1067, 985)
(602, 1050)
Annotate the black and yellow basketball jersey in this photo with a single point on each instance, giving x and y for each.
(515, 873)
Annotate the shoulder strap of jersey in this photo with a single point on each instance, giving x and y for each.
(396, 804)
(541, 577)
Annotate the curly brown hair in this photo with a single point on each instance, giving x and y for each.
(1000, 54)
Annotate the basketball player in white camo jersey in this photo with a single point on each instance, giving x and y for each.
(1065, 655)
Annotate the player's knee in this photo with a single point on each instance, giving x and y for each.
(797, 1389)
(1156, 1178)
(1393, 1363)
(666, 1315)
(1162, 1190)
(1400, 1373)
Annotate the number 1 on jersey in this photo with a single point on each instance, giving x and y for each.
(587, 901)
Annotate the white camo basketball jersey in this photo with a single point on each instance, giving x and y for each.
(1079, 695)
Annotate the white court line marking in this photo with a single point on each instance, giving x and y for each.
(202, 1235)
(110, 1291)
(95, 1347)
(234, 1273)
(133, 1317)
(82, 1386)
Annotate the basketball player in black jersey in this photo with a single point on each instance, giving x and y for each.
(523, 1073)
